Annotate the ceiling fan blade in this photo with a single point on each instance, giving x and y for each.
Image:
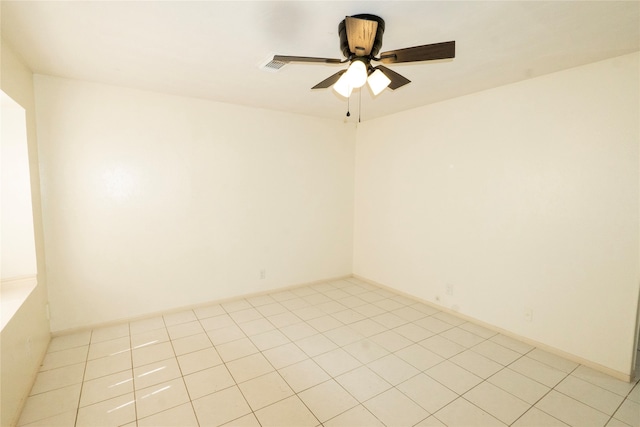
(397, 80)
(287, 59)
(361, 34)
(329, 81)
(427, 52)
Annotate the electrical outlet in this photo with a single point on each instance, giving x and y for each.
(449, 289)
(528, 314)
(263, 274)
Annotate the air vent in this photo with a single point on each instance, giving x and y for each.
(272, 66)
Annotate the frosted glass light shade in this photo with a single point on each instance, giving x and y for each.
(342, 86)
(378, 82)
(357, 74)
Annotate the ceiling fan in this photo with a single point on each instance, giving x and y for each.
(360, 42)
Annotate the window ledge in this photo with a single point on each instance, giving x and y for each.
(13, 293)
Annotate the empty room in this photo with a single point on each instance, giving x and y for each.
(301, 213)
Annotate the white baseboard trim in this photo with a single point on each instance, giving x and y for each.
(628, 377)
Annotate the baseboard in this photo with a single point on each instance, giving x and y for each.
(628, 377)
(191, 307)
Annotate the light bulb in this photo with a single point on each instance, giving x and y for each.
(378, 82)
(342, 86)
(357, 74)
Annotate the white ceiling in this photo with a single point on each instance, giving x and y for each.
(213, 49)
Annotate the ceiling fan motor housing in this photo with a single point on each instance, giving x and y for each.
(377, 43)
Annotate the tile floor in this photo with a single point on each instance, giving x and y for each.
(340, 353)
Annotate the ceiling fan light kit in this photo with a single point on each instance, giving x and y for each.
(360, 42)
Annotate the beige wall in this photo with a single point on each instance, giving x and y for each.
(155, 202)
(24, 339)
(523, 198)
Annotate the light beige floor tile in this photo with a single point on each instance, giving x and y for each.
(256, 327)
(217, 322)
(236, 349)
(462, 337)
(536, 418)
(391, 341)
(629, 413)
(552, 360)
(419, 357)
(110, 332)
(431, 421)
(602, 380)
(180, 416)
(287, 412)
(424, 308)
(156, 373)
(265, 390)
(284, 355)
(107, 365)
(394, 408)
(352, 301)
(442, 346)
(478, 330)
(538, 371)
(476, 363)
(519, 385)
(389, 320)
(371, 297)
(152, 353)
(298, 331)
(161, 397)
(327, 400)
(409, 314)
(316, 344)
(571, 411)
(62, 358)
(270, 339)
(369, 310)
(368, 327)
(284, 319)
(337, 362)
(462, 413)
(388, 304)
(113, 412)
(260, 300)
(147, 338)
(355, 417)
(109, 348)
(65, 342)
(191, 343)
(272, 309)
(249, 367)
(180, 317)
(449, 318)
(497, 402)
(454, 377)
(362, 383)
(427, 392)
(635, 394)
(208, 381)
(106, 388)
(248, 420)
(185, 329)
(199, 360)
(303, 375)
(393, 369)
(348, 316)
(511, 343)
(413, 332)
(295, 303)
(282, 295)
(366, 351)
(50, 403)
(221, 407)
(324, 323)
(245, 315)
(146, 325)
(343, 335)
(66, 419)
(589, 394)
(226, 334)
(614, 422)
(496, 352)
(209, 311)
(434, 325)
(58, 378)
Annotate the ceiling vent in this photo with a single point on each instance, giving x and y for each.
(272, 65)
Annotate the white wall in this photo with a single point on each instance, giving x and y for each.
(24, 339)
(523, 197)
(17, 243)
(154, 202)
